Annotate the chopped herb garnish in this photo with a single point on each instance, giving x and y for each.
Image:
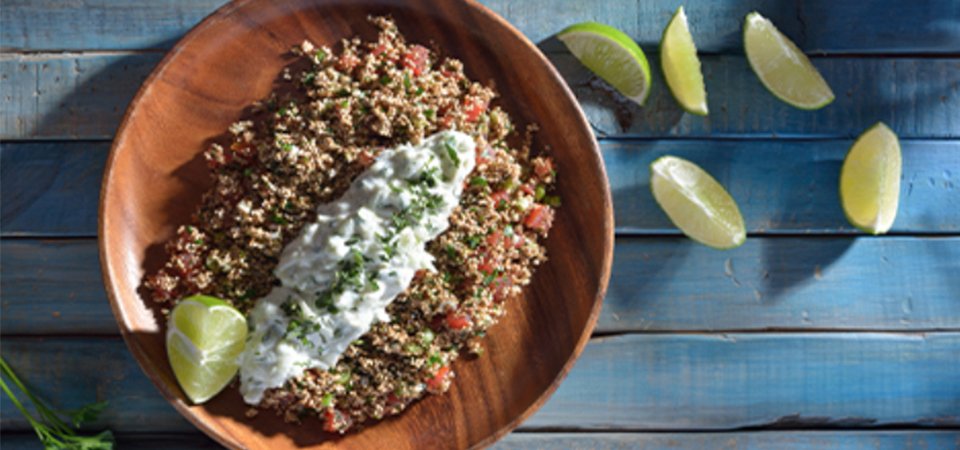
(308, 77)
(552, 200)
(327, 400)
(247, 172)
(474, 241)
(385, 80)
(320, 55)
(406, 82)
(286, 146)
(428, 113)
(451, 251)
(419, 90)
(478, 181)
(539, 192)
(343, 92)
(452, 153)
(278, 219)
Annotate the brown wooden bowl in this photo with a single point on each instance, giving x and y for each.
(155, 176)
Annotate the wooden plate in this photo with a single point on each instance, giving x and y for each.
(155, 176)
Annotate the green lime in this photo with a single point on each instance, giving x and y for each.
(870, 180)
(681, 67)
(785, 71)
(612, 55)
(696, 203)
(205, 335)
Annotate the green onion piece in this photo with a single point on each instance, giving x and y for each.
(327, 400)
(539, 193)
(320, 55)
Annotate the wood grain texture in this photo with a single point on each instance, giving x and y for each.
(631, 382)
(817, 26)
(68, 95)
(781, 440)
(51, 189)
(155, 174)
(82, 96)
(657, 284)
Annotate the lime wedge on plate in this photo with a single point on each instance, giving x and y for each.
(205, 335)
(612, 55)
(696, 203)
(785, 71)
(681, 67)
(870, 180)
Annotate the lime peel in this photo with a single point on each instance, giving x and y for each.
(611, 55)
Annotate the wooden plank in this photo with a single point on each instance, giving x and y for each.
(50, 188)
(657, 284)
(630, 382)
(783, 440)
(782, 186)
(83, 96)
(816, 26)
(69, 96)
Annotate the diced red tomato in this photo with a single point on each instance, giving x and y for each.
(501, 288)
(484, 154)
(457, 321)
(418, 275)
(365, 158)
(379, 49)
(539, 218)
(542, 167)
(437, 382)
(347, 62)
(499, 198)
(416, 59)
(473, 107)
(494, 238)
(335, 421)
(527, 189)
(487, 265)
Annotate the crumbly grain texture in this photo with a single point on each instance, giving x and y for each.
(303, 148)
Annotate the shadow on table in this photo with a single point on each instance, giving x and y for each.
(608, 111)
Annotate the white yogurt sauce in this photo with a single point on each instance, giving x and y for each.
(338, 276)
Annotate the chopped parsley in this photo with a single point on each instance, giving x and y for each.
(478, 181)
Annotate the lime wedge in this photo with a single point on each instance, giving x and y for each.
(870, 180)
(785, 71)
(696, 203)
(612, 55)
(681, 67)
(205, 335)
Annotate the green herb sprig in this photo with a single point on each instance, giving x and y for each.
(54, 432)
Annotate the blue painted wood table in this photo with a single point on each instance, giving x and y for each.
(810, 335)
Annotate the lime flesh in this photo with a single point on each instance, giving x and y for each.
(696, 203)
(681, 67)
(782, 68)
(870, 180)
(612, 55)
(205, 335)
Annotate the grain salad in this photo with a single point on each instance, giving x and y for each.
(337, 115)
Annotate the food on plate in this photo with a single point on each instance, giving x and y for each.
(370, 219)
